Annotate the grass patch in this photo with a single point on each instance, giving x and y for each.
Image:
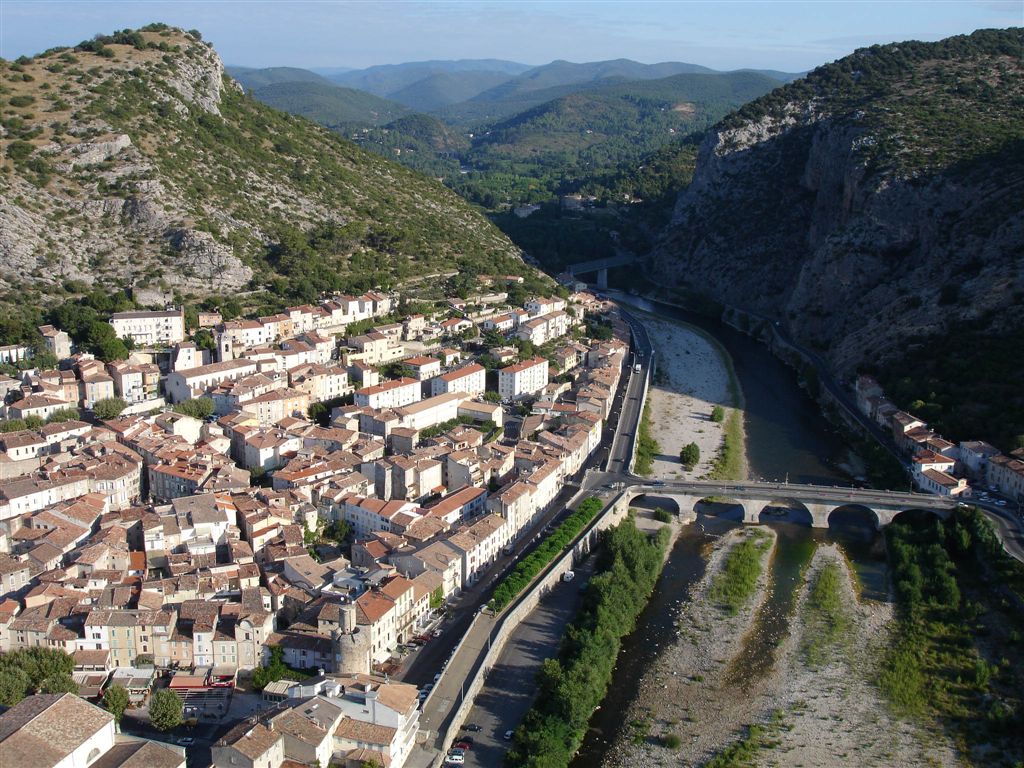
(737, 581)
(729, 464)
(646, 446)
(828, 618)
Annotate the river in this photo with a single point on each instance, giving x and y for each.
(787, 437)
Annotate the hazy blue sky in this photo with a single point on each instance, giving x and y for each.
(790, 36)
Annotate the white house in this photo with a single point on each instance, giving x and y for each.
(150, 329)
(390, 394)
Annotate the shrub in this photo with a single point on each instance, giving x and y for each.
(718, 414)
(662, 515)
(690, 456)
(735, 584)
(671, 740)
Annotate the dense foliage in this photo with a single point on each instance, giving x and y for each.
(646, 446)
(552, 546)
(828, 618)
(966, 384)
(957, 650)
(570, 687)
(28, 671)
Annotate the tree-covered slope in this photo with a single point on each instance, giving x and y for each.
(251, 78)
(597, 130)
(875, 204)
(330, 104)
(133, 160)
(387, 79)
(444, 88)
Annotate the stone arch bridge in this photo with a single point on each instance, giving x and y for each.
(816, 501)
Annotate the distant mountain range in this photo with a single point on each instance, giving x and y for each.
(475, 90)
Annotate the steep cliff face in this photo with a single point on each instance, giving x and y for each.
(880, 199)
(133, 161)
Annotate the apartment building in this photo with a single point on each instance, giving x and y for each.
(390, 394)
(471, 379)
(523, 379)
(193, 382)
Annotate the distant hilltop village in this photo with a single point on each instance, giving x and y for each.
(303, 491)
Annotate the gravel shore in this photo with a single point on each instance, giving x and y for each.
(684, 693)
(831, 715)
(692, 379)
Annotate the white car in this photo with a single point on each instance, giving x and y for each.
(455, 760)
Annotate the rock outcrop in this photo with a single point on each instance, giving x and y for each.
(863, 221)
(142, 165)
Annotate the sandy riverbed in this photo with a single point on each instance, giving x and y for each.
(692, 379)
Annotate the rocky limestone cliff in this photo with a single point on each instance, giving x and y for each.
(137, 163)
(821, 212)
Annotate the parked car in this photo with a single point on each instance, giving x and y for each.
(568, 576)
(508, 735)
(472, 727)
(464, 746)
(438, 632)
(437, 677)
(455, 760)
(186, 741)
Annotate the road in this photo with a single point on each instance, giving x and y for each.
(509, 690)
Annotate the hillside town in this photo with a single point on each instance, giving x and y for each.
(288, 509)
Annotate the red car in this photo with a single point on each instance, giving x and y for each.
(464, 745)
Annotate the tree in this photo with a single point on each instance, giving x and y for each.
(165, 710)
(337, 531)
(35, 670)
(60, 415)
(197, 408)
(115, 700)
(109, 408)
(437, 598)
(689, 456)
(718, 414)
(492, 397)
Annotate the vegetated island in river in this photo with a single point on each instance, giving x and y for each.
(815, 706)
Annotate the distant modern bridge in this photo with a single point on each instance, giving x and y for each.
(601, 266)
(816, 502)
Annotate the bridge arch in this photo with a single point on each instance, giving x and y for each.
(723, 507)
(789, 510)
(854, 515)
(915, 513)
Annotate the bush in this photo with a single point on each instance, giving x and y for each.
(718, 414)
(109, 408)
(735, 584)
(689, 456)
(662, 515)
(671, 740)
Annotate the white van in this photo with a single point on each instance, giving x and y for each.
(568, 576)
